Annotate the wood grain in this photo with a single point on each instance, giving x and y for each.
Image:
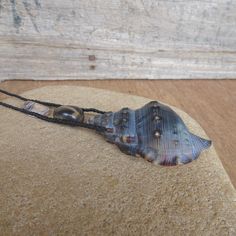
(137, 39)
(210, 103)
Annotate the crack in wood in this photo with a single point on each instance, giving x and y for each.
(16, 17)
(32, 17)
(37, 3)
(1, 7)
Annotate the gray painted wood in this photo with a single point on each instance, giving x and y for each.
(90, 39)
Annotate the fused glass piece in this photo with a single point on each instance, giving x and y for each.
(36, 107)
(154, 132)
(71, 113)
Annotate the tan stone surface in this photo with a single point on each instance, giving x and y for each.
(57, 180)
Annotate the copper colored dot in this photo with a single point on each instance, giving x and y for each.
(157, 118)
(157, 134)
(176, 142)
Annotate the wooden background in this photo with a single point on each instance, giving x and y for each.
(210, 103)
(135, 39)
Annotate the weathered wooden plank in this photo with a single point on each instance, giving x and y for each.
(128, 39)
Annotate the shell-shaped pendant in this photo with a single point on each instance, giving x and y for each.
(154, 132)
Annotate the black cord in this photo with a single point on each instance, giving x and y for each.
(49, 119)
(47, 103)
(13, 95)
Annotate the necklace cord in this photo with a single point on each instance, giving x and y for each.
(49, 119)
(47, 103)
